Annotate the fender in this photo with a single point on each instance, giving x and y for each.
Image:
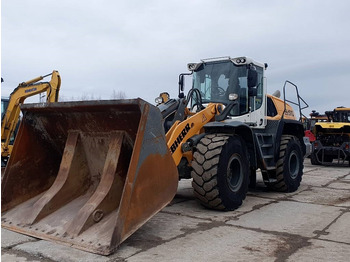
(289, 127)
(235, 128)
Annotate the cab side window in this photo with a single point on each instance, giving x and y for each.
(271, 109)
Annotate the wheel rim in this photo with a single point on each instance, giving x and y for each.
(234, 174)
(293, 165)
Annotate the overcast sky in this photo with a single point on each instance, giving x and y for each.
(140, 47)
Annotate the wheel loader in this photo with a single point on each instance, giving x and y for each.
(88, 174)
(332, 138)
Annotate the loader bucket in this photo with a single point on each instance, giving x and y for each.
(87, 174)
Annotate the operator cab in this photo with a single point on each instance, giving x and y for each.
(340, 114)
(224, 80)
(4, 104)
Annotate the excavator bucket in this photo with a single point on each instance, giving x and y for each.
(87, 174)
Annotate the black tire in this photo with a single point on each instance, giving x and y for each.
(314, 160)
(289, 167)
(220, 171)
(328, 159)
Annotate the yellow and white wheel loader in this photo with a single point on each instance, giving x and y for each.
(88, 174)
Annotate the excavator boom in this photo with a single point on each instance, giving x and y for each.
(17, 97)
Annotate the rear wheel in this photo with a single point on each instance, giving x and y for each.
(289, 167)
(317, 161)
(220, 171)
(314, 159)
(328, 159)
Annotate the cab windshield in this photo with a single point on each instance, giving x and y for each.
(216, 80)
(341, 116)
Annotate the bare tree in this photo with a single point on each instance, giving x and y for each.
(84, 97)
(62, 98)
(118, 95)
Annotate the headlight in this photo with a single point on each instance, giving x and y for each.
(159, 100)
(232, 97)
(240, 60)
(191, 66)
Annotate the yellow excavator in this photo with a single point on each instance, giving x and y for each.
(11, 107)
(88, 174)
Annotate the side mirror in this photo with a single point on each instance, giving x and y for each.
(252, 78)
(181, 82)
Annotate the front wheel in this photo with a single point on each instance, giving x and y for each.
(289, 167)
(220, 171)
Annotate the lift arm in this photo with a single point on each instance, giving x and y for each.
(180, 132)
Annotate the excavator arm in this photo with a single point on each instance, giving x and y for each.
(17, 97)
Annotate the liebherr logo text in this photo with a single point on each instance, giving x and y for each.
(180, 138)
(289, 112)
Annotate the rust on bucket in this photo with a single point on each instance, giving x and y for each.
(87, 174)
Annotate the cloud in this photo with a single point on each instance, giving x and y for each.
(141, 47)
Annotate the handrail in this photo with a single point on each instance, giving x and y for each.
(299, 98)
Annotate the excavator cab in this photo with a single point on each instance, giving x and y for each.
(4, 105)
